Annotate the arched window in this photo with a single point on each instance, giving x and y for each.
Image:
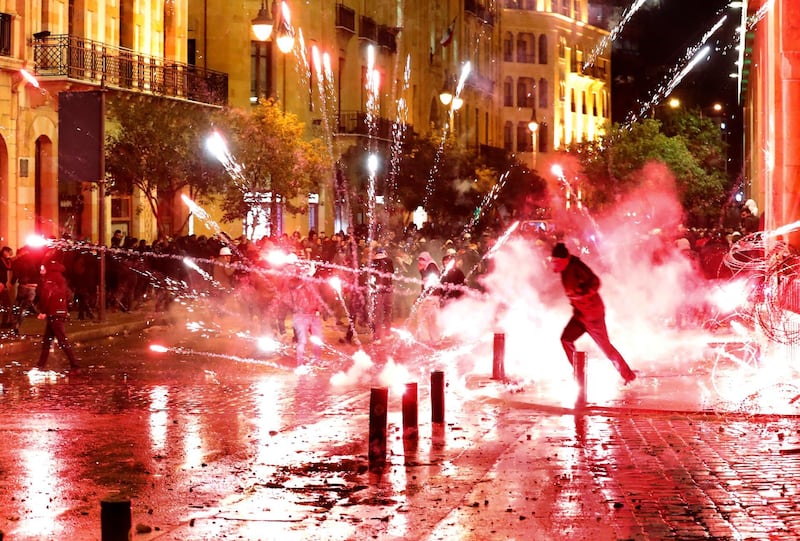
(562, 47)
(543, 135)
(522, 48)
(543, 93)
(543, 49)
(531, 93)
(508, 47)
(433, 115)
(508, 92)
(508, 136)
(524, 138)
(521, 98)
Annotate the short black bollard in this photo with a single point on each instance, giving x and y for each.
(437, 396)
(378, 405)
(499, 356)
(579, 367)
(115, 518)
(410, 422)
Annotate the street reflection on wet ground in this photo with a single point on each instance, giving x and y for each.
(207, 447)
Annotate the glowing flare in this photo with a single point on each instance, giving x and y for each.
(30, 78)
(336, 283)
(268, 344)
(279, 258)
(158, 348)
(730, 296)
(35, 241)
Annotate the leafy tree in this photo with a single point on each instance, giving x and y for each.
(155, 145)
(448, 179)
(272, 156)
(691, 152)
(524, 193)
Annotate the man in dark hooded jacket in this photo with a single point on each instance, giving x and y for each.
(53, 306)
(588, 311)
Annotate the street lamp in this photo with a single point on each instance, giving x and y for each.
(533, 125)
(262, 24)
(446, 95)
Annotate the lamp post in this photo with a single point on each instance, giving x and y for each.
(452, 102)
(262, 24)
(533, 125)
(285, 41)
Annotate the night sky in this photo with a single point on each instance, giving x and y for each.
(656, 40)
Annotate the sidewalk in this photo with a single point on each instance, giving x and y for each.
(114, 323)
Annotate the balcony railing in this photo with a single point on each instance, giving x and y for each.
(368, 29)
(345, 18)
(357, 123)
(95, 62)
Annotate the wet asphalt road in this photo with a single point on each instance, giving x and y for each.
(175, 432)
(213, 440)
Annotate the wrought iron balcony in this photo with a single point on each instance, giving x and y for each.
(358, 123)
(94, 62)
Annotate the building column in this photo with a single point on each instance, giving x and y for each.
(787, 132)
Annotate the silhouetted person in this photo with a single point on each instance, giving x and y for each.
(588, 311)
(53, 305)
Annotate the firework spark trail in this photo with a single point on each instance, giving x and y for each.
(302, 67)
(691, 58)
(497, 245)
(664, 90)
(437, 160)
(212, 225)
(336, 284)
(208, 354)
(558, 171)
(466, 68)
(488, 198)
(760, 14)
(219, 149)
(601, 46)
(398, 131)
(326, 125)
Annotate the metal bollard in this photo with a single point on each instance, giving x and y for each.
(115, 518)
(410, 423)
(499, 357)
(437, 396)
(378, 405)
(579, 368)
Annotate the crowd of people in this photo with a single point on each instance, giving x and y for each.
(265, 286)
(365, 284)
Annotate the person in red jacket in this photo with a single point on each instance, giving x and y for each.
(582, 287)
(53, 307)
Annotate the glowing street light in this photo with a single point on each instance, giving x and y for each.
(285, 37)
(446, 96)
(262, 24)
